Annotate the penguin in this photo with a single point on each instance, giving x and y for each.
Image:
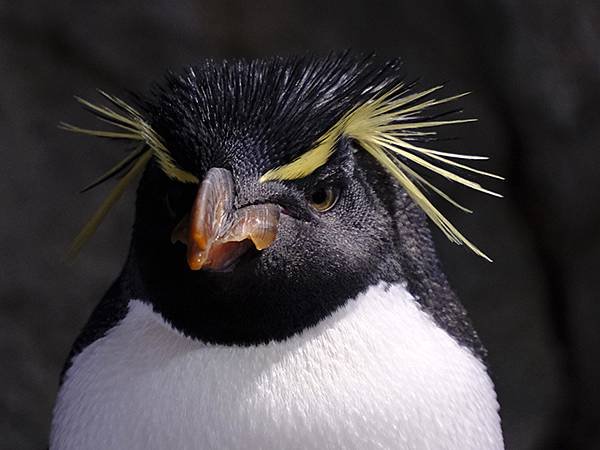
(282, 289)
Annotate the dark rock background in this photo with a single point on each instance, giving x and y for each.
(534, 67)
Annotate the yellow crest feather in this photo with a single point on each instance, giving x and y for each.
(308, 162)
(129, 125)
(115, 194)
(381, 126)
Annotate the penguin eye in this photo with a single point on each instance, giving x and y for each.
(323, 199)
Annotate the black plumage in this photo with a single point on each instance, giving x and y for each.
(260, 113)
(249, 117)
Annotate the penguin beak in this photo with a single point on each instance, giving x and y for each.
(215, 233)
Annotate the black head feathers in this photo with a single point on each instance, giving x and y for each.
(292, 113)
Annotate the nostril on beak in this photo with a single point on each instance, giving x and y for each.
(217, 235)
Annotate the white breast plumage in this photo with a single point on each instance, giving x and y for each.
(378, 373)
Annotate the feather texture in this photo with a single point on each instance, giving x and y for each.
(384, 126)
(115, 194)
(129, 125)
(281, 107)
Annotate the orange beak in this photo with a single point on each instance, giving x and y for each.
(216, 235)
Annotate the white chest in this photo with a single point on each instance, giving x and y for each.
(378, 373)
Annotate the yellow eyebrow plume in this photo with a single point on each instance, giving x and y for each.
(310, 161)
(384, 126)
(128, 124)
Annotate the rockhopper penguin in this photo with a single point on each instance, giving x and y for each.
(282, 290)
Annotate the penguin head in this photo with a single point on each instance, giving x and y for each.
(276, 190)
(333, 234)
